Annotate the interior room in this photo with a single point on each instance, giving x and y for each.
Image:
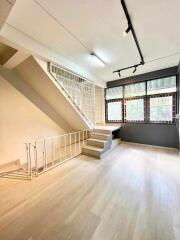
(89, 122)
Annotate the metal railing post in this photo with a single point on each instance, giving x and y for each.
(83, 137)
(27, 158)
(35, 158)
(59, 148)
(75, 143)
(52, 151)
(44, 157)
(80, 141)
(70, 142)
(30, 163)
(86, 134)
(65, 142)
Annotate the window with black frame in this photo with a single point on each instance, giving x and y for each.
(114, 105)
(152, 101)
(161, 100)
(134, 102)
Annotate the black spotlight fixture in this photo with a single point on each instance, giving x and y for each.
(135, 68)
(127, 30)
(119, 74)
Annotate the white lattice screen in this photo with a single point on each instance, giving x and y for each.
(80, 90)
(99, 105)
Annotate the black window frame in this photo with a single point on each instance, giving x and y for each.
(161, 95)
(135, 98)
(146, 104)
(106, 110)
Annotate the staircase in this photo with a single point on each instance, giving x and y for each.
(99, 143)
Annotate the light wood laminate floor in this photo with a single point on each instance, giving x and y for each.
(133, 193)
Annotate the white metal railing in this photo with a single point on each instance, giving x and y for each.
(45, 154)
(78, 89)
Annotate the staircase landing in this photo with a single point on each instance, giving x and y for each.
(110, 127)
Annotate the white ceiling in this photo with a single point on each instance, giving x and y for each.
(72, 28)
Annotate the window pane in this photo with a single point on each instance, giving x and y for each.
(135, 110)
(161, 109)
(114, 111)
(163, 85)
(137, 89)
(113, 93)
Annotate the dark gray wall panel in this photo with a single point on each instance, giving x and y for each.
(153, 134)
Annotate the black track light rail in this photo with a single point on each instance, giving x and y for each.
(133, 66)
(131, 28)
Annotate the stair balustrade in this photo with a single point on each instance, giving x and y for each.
(45, 154)
(79, 90)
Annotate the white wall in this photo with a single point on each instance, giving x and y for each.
(20, 121)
